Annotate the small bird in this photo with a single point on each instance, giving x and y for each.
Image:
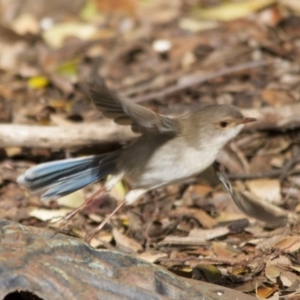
(168, 150)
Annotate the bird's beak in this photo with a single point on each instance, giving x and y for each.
(246, 120)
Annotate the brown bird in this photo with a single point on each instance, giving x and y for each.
(169, 150)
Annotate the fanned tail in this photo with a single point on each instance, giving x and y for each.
(62, 177)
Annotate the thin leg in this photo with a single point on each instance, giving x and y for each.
(92, 232)
(130, 197)
(66, 219)
(149, 222)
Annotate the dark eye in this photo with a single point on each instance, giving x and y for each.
(223, 124)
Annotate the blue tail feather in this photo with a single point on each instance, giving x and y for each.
(62, 177)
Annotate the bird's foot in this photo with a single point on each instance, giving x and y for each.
(89, 235)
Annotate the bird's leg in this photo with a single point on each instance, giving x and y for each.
(149, 222)
(130, 197)
(92, 232)
(65, 220)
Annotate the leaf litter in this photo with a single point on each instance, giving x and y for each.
(195, 229)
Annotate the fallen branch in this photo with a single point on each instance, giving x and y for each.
(63, 136)
(105, 131)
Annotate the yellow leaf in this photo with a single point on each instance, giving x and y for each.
(120, 188)
(38, 82)
(68, 69)
(210, 272)
(89, 11)
(73, 200)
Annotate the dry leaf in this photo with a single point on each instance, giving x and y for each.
(73, 200)
(194, 25)
(232, 11)
(26, 23)
(101, 238)
(222, 252)
(291, 4)
(56, 35)
(272, 271)
(267, 189)
(289, 244)
(117, 6)
(184, 240)
(277, 98)
(268, 243)
(151, 256)
(203, 218)
(49, 214)
(265, 292)
(12, 151)
(288, 278)
(125, 243)
(209, 234)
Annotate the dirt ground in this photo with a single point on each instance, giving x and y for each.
(172, 57)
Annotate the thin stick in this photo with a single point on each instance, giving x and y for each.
(98, 228)
(200, 79)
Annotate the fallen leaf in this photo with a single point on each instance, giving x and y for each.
(265, 292)
(125, 243)
(12, 151)
(73, 200)
(38, 82)
(210, 273)
(277, 98)
(291, 4)
(44, 214)
(289, 244)
(56, 35)
(221, 251)
(26, 23)
(272, 271)
(203, 218)
(209, 234)
(267, 189)
(151, 256)
(194, 25)
(288, 278)
(232, 11)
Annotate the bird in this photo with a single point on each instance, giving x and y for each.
(167, 150)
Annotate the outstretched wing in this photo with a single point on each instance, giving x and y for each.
(125, 112)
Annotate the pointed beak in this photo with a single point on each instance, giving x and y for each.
(246, 120)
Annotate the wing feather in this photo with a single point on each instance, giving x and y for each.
(126, 112)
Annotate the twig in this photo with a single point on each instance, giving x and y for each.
(200, 79)
(270, 174)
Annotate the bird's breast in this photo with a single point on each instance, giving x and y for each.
(172, 162)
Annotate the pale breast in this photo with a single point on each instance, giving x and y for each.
(177, 165)
(171, 162)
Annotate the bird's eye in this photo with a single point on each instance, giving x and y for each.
(223, 124)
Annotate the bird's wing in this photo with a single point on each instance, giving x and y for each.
(125, 112)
